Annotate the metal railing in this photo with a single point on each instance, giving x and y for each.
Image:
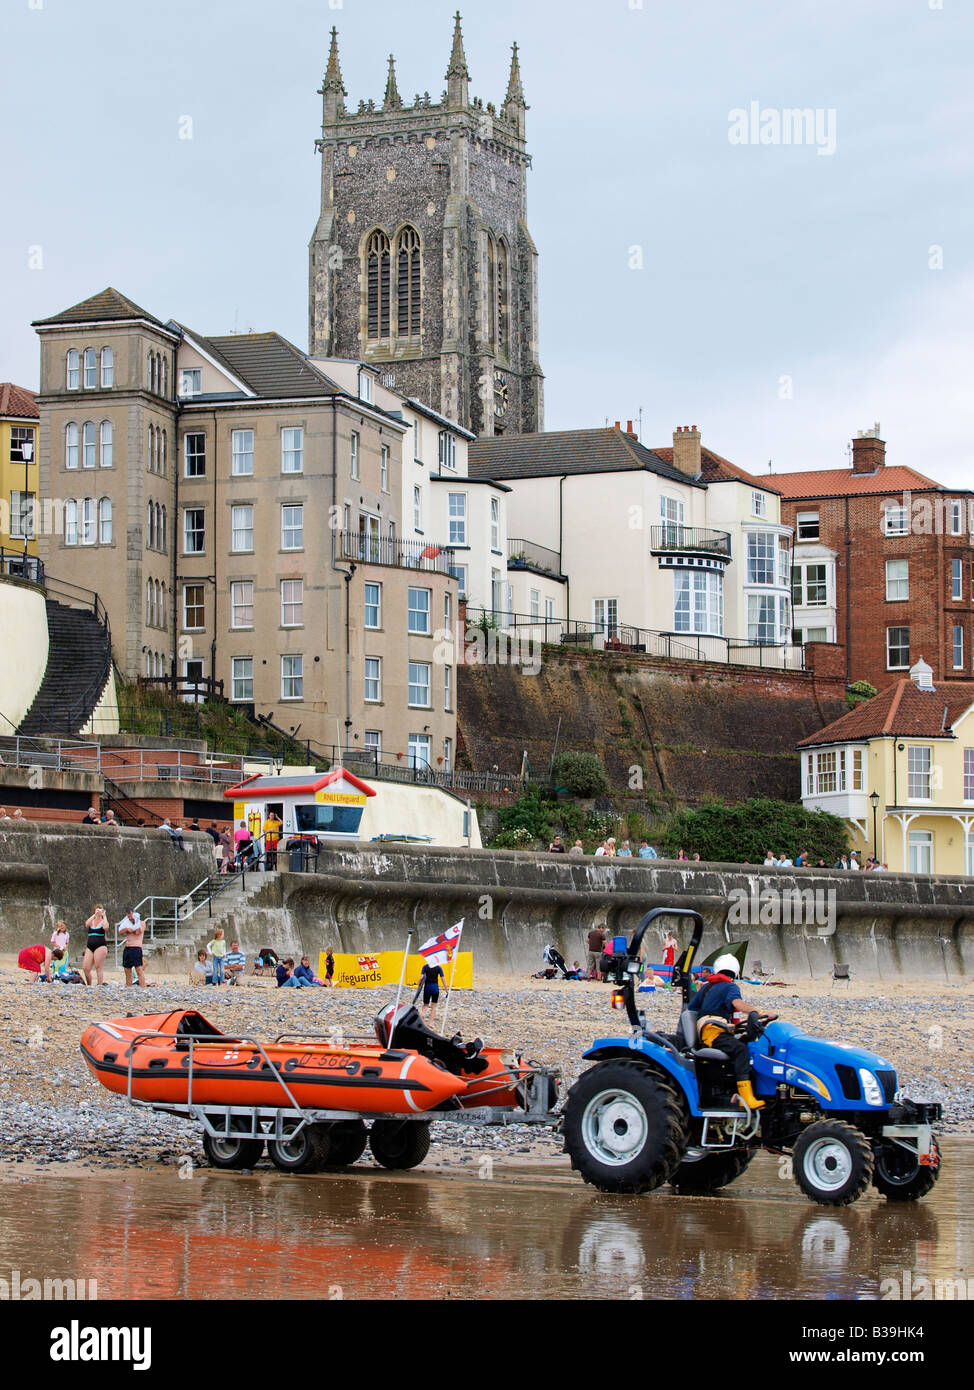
(386, 767)
(130, 765)
(20, 566)
(68, 719)
(671, 535)
(528, 555)
(623, 637)
(383, 550)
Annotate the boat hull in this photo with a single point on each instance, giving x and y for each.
(149, 1059)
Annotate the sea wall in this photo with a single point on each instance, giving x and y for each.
(886, 926)
(63, 870)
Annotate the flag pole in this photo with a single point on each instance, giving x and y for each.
(456, 953)
(402, 978)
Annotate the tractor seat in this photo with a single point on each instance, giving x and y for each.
(687, 1029)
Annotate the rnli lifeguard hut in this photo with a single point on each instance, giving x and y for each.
(326, 805)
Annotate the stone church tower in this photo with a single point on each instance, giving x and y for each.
(422, 263)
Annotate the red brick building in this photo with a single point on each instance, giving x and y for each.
(883, 565)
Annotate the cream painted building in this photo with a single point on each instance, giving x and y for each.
(676, 550)
(239, 512)
(899, 770)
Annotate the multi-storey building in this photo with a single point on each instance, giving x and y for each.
(18, 470)
(421, 262)
(676, 543)
(210, 490)
(899, 770)
(883, 564)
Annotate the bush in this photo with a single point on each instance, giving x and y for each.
(747, 830)
(519, 838)
(534, 812)
(581, 774)
(859, 691)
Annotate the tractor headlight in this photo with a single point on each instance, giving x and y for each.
(870, 1087)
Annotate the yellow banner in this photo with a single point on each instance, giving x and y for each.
(238, 811)
(367, 970)
(341, 798)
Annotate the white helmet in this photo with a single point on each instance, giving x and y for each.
(727, 965)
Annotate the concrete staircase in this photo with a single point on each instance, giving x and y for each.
(78, 665)
(253, 915)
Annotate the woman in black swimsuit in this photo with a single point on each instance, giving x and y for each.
(96, 946)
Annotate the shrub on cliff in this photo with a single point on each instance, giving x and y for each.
(534, 812)
(857, 692)
(581, 774)
(747, 830)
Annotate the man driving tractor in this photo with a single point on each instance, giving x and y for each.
(716, 1004)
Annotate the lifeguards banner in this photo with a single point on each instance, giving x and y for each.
(384, 968)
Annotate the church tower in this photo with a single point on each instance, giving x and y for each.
(422, 263)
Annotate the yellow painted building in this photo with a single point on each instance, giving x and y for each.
(899, 770)
(18, 478)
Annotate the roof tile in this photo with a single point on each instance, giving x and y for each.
(842, 482)
(17, 402)
(902, 710)
(549, 454)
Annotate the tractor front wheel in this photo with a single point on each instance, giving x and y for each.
(833, 1163)
(623, 1131)
(898, 1175)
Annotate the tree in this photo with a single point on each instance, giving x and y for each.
(582, 774)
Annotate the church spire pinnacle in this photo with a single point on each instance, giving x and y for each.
(333, 75)
(515, 92)
(456, 74)
(514, 104)
(392, 101)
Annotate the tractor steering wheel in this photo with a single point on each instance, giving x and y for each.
(755, 1025)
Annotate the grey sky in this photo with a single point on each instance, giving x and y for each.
(760, 262)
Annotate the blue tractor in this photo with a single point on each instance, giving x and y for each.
(660, 1108)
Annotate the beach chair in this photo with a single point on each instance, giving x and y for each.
(840, 972)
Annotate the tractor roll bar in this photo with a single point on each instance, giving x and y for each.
(682, 967)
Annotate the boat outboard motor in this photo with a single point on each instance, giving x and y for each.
(410, 1032)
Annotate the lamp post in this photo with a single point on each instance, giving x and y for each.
(874, 802)
(26, 453)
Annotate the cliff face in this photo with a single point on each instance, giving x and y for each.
(692, 731)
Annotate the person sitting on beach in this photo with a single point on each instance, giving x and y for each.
(285, 975)
(234, 963)
(304, 972)
(199, 973)
(37, 961)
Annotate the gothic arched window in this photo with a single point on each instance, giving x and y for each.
(378, 287)
(408, 271)
(503, 299)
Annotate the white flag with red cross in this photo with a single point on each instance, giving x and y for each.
(439, 949)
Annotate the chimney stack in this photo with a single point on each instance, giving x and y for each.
(686, 450)
(868, 451)
(628, 427)
(618, 424)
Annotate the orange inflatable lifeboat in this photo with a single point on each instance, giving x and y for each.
(148, 1058)
(494, 1076)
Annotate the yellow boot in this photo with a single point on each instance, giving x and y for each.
(748, 1097)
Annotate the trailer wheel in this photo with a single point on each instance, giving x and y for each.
(303, 1152)
(710, 1171)
(623, 1131)
(899, 1177)
(346, 1143)
(229, 1151)
(833, 1163)
(399, 1143)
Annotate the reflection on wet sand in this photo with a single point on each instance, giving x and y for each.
(520, 1234)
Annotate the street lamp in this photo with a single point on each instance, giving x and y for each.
(874, 802)
(26, 453)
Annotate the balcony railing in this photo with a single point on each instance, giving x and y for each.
(694, 540)
(382, 550)
(522, 554)
(21, 566)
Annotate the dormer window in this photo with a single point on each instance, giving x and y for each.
(759, 504)
(191, 381)
(364, 387)
(448, 450)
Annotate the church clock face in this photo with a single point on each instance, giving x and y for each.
(500, 393)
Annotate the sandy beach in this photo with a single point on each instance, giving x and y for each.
(53, 1111)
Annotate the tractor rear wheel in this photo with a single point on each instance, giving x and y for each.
(833, 1163)
(708, 1171)
(623, 1128)
(898, 1175)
